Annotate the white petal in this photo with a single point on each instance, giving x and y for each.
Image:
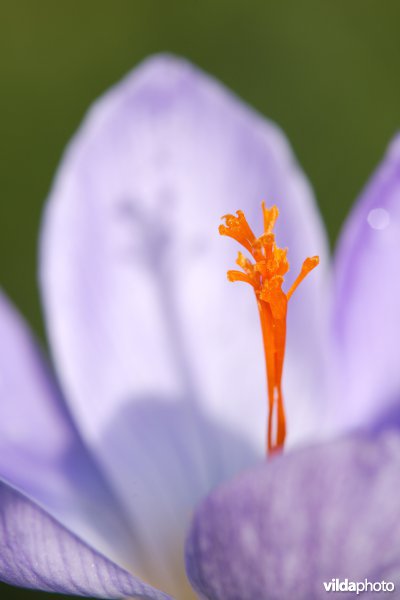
(159, 355)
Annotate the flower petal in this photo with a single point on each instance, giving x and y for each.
(144, 325)
(367, 299)
(282, 529)
(40, 450)
(37, 552)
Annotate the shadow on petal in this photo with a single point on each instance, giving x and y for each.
(171, 456)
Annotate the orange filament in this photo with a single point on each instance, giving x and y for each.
(266, 276)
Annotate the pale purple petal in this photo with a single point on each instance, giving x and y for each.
(37, 552)
(151, 342)
(367, 300)
(40, 450)
(279, 531)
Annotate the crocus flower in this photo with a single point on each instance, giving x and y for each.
(160, 390)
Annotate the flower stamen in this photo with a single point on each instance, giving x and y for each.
(266, 276)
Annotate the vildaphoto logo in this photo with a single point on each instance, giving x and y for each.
(344, 585)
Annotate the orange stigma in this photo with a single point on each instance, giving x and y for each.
(265, 273)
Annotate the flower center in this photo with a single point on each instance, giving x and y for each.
(265, 273)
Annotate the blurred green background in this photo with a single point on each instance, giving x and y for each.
(326, 70)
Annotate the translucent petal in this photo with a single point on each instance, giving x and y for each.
(41, 452)
(159, 356)
(367, 300)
